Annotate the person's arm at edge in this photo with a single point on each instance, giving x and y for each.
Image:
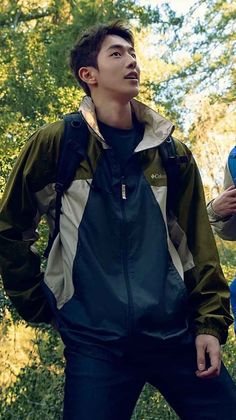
(207, 288)
(222, 210)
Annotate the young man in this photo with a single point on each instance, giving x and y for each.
(137, 293)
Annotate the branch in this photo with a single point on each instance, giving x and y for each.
(19, 16)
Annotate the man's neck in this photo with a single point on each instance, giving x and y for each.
(115, 114)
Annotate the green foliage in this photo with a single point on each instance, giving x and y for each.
(229, 354)
(152, 406)
(38, 388)
(27, 398)
(227, 252)
(203, 52)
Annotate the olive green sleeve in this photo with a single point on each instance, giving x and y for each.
(19, 217)
(207, 288)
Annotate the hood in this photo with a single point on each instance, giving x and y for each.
(157, 128)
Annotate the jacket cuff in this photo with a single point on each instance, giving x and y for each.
(220, 334)
(213, 216)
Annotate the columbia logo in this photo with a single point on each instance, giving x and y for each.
(156, 176)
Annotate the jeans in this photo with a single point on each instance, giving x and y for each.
(97, 389)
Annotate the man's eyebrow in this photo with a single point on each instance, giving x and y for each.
(130, 48)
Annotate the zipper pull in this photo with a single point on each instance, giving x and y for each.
(123, 191)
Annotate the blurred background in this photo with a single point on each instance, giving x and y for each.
(186, 50)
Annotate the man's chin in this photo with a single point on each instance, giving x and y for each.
(125, 96)
(136, 93)
(131, 94)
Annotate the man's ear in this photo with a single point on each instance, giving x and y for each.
(88, 75)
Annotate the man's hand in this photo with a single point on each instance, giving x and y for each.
(225, 204)
(208, 344)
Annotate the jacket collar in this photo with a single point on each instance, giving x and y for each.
(157, 128)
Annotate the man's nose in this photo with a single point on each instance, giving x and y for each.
(132, 62)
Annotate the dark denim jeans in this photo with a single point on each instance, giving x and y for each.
(97, 389)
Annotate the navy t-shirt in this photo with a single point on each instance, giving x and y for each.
(122, 141)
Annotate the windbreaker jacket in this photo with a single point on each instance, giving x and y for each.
(120, 265)
(224, 227)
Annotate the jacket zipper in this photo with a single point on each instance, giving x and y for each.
(130, 312)
(123, 191)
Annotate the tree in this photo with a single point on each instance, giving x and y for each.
(212, 137)
(202, 56)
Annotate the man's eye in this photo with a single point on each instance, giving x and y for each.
(116, 54)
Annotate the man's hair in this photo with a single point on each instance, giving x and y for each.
(88, 45)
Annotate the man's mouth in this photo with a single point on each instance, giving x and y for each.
(132, 75)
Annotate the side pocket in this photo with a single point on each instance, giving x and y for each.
(179, 240)
(58, 276)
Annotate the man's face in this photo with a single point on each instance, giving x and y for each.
(118, 73)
